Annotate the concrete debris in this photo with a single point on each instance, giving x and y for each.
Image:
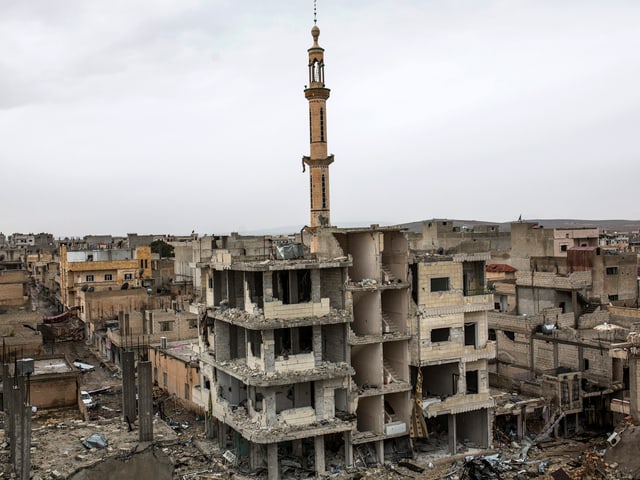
(95, 440)
(367, 282)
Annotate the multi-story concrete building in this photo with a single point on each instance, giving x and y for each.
(275, 356)
(99, 270)
(555, 343)
(377, 291)
(529, 239)
(450, 349)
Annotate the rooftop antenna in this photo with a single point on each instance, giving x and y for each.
(315, 13)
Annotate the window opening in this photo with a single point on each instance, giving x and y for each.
(440, 335)
(440, 284)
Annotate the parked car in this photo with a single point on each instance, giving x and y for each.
(83, 367)
(87, 399)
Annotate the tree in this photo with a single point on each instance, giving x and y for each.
(162, 248)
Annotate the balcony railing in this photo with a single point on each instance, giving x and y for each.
(471, 292)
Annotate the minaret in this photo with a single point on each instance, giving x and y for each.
(318, 160)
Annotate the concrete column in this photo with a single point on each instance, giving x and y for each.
(128, 386)
(15, 414)
(318, 443)
(222, 435)
(321, 412)
(270, 407)
(297, 448)
(315, 286)
(256, 456)
(210, 429)
(380, 451)
(634, 383)
(25, 443)
(269, 346)
(145, 402)
(348, 449)
(267, 286)
(5, 385)
(317, 344)
(519, 426)
(453, 434)
(485, 421)
(273, 471)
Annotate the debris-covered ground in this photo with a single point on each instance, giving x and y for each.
(61, 450)
(183, 453)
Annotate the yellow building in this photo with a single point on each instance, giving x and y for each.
(99, 270)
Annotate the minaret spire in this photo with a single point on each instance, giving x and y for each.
(318, 160)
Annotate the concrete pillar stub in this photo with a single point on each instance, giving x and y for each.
(145, 401)
(128, 386)
(5, 385)
(634, 384)
(25, 443)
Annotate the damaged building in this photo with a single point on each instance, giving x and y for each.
(556, 343)
(450, 348)
(274, 361)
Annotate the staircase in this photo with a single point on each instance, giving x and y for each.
(387, 324)
(590, 308)
(387, 276)
(390, 375)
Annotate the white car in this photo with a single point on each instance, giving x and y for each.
(83, 367)
(87, 399)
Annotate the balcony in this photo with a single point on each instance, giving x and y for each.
(292, 424)
(432, 407)
(622, 406)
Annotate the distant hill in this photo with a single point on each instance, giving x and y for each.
(610, 225)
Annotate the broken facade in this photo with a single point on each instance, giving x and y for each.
(274, 361)
(450, 349)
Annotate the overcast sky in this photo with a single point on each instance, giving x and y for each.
(167, 116)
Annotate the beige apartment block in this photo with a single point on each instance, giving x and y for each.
(530, 239)
(177, 371)
(102, 269)
(13, 288)
(450, 348)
